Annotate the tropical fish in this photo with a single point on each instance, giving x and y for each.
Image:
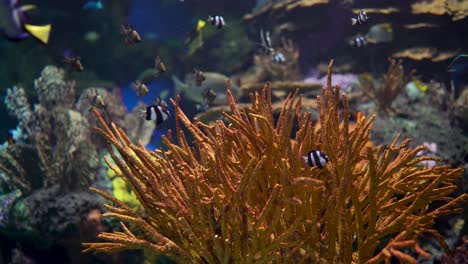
(420, 85)
(380, 33)
(130, 34)
(160, 67)
(140, 88)
(157, 112)
(73, 63)
(13, 22)
(96, 101)
(217, 21)
(93, 5)
(358, 41)
(199, 77)
(266, 42)
(459, 64)
(275, 56)
(278, 57)
(316, 158)
(194, 39)
(216, 81)
(360, 18)
(208, 96)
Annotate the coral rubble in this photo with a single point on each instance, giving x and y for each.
(242, 193)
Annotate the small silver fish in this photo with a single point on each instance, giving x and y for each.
(160, 66)
(360, 18)
(140, 88)
(130, 34)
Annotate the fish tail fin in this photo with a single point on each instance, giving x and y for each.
(42, 33)
(26, 8)
(353, 21)
(178, 84)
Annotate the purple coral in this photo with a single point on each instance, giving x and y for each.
(345, 81)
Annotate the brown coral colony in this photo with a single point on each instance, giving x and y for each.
(242, 193)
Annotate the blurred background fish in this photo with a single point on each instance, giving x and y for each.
(194, 39)
(358, 41)
(380, 33)
(93, 5)
(199, 77)
(214, 81)
(459, 64)
(217, 21)
(73, 62)
(130, 34)
(14, 25)
(360, 18)
(140, 88)
(160, 66)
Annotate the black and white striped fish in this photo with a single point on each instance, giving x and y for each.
(316, 158)
(266, 42)
(217, 21)
(360, 18)
(278, 57)
(358, 41)
(157, 113)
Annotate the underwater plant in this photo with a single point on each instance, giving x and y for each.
(242, 193)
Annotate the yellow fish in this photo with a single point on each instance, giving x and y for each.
(194, 39)
(421, 86)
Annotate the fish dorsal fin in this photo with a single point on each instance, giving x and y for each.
(26, 8)
(42, 33)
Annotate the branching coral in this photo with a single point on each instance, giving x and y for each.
(393, 83)
(243, 194)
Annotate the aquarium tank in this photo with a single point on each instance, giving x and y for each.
(233, 131)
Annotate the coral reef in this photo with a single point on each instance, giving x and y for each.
(243, 194)
(51, 215)
(56, 138)
(45, 173)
